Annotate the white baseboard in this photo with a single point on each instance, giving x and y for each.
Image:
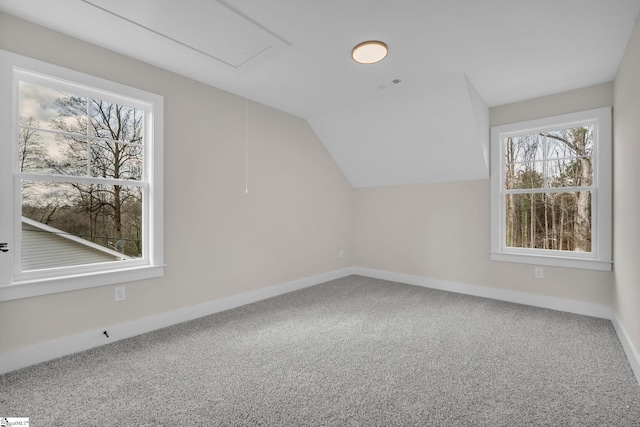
(627, 345)
(38, 353)
(577, 307)
(43, 352)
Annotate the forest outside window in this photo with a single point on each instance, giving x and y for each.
(551, 191)
(87, 183)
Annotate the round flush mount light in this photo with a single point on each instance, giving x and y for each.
(369, 52)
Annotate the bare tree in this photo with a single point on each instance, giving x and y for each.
(578, 141)
(553, 219)
(31, 150)
(102, 140)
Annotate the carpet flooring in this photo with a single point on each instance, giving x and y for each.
(351, 352)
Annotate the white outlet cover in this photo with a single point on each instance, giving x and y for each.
(120, 293)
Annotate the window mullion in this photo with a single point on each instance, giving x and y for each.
(78, 179)
(545, 163)
(549, 190)
(88, 135)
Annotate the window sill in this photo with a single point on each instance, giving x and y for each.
(554, 261)
(32, 288)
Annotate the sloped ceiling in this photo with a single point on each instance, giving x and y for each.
(453, 59)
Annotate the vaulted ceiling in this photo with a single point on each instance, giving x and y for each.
(451, 60)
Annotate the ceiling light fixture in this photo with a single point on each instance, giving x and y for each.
(369, 52)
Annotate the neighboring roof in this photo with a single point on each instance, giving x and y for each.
(51, 247)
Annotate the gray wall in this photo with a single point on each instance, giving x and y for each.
(219, 240)
(301, 210)
(626, 195)
(442, 231)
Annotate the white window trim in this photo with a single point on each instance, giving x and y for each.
(600, 257)
(15, 285)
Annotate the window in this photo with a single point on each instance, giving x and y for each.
(551, 191)
(83, 157)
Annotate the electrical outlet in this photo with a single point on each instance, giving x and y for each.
(538, 272)
(120, 293)
(340, 253)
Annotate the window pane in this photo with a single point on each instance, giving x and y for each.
(33, 149)
(567, 173)
(559, 150)
(524, 175)
(74, 224)
(116, 122)
(569, 143)
(40, 151)
(559, 158)
(526, 148)
(52, 109)
(557, 221)
(114, 160)
(43, 109)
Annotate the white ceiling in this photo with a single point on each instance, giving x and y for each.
(454, 58)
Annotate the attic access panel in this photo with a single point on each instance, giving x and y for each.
(211, 28)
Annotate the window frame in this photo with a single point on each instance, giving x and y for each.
(16, 284)
(601, 208)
